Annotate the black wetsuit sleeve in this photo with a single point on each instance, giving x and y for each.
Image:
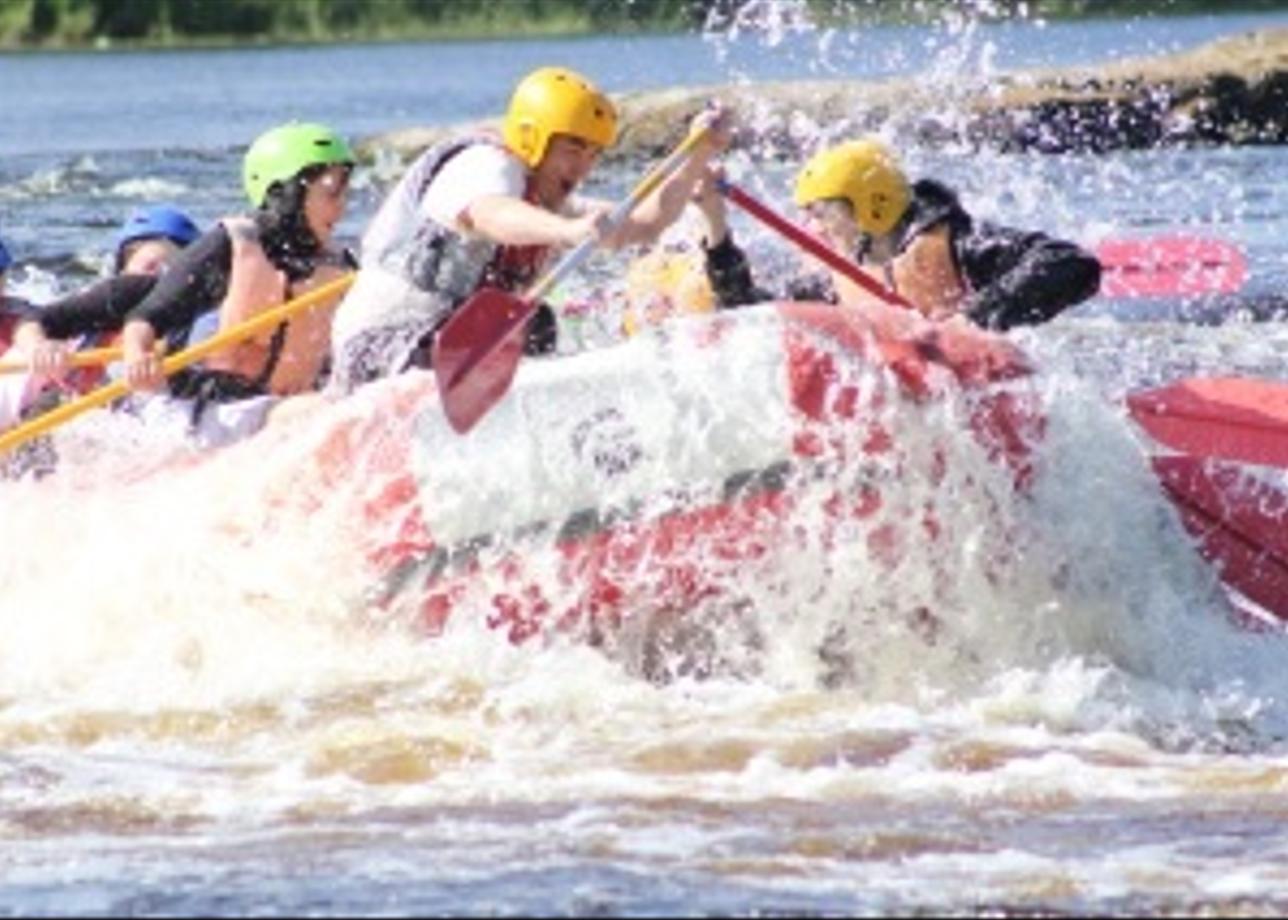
(195, 282)
(101, 307)
(731, 280)
(730, 275)
(811, 287)
(1023, 278)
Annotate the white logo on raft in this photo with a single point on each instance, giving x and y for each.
(608, 442)
(669, 412)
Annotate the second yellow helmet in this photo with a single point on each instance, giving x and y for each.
(663, 284)
(555, 100)
(865, 173)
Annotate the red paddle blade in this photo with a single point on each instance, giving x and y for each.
(1170, 266)
(1228, 418)
(477, 352)
(1240, 524)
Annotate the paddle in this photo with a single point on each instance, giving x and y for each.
(1240, 523)
(1228, 418)
(968, 354)
(105, 394)
(1170, 266)
(477, 351)
(810, 243)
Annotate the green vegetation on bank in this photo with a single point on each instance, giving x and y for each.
(71, 23)
(81, 23)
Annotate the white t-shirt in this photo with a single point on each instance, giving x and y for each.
(476, 172)
(382, 296)
(481, 169)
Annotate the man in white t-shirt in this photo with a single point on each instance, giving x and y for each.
(487, 211)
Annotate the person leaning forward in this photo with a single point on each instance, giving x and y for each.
(297, 178)
(489, 211)
(147, 242)
(916, 238)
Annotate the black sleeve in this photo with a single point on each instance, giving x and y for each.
(730, 275)
(1023, 278)
(195, 282)
(811, 287)
(101, 307)
(730, 278)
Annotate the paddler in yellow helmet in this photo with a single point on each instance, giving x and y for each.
(490, 210)
(666, 282)
(914, 237)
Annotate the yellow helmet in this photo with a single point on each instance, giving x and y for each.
(666, 283)
(554, 100)
(865, 173)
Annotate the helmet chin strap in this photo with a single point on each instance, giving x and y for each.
(884, 248)
(879, 249)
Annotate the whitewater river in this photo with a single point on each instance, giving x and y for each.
(202, 711)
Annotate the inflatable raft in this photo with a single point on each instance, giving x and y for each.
(666, 474)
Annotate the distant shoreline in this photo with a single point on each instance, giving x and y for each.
(227, 43)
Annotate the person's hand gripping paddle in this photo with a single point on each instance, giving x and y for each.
(476, 353)
(190, 355)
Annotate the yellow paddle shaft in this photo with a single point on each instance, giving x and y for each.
(87, 357)
(217, 342)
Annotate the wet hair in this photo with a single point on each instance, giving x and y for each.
(282, 212)
(284, 229)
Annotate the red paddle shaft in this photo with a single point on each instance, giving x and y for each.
(810, 243)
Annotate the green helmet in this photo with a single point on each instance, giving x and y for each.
(280, 154)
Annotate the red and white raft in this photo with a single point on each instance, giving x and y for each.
(652, 475)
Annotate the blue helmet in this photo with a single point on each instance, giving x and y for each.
(5, 259)
(160, 221)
